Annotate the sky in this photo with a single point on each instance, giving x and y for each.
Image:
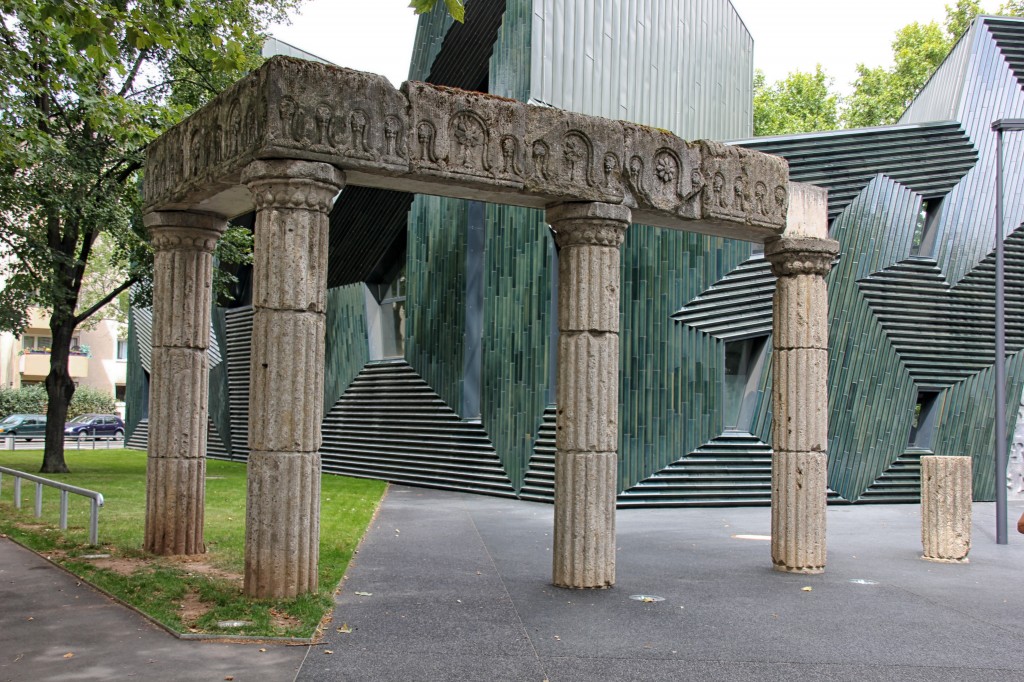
(789, 35)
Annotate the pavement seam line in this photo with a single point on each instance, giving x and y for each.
(504, 587)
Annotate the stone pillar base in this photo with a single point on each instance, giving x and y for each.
(946, 508)
(174, 505)
(282, 524)
(584, 547)
(799, 489)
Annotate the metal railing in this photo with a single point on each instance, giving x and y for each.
(95, 498)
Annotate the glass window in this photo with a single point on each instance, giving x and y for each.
(926, 420)
(122, 349)
(923, 243)
(744, 362)
(392, 316)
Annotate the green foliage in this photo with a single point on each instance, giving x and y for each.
(87, 85)
(24, 400)
(91, 400)
(157, 586)
(801, 102)
(881, 95)
(32, 400)
(456, 8)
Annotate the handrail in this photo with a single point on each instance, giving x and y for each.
(95, 497)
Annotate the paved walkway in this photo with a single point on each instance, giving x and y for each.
(458, 590)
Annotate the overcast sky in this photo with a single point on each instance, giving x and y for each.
(377, 35)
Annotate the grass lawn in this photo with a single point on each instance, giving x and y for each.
(185, 593)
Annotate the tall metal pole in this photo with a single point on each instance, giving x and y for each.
(1000, 366)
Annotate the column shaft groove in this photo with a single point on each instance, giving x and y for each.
(183, 244)
(282, 539)
(590, 236)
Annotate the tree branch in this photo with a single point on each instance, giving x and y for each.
(132, 73)
(91, 310)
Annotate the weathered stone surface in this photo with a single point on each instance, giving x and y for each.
(449, 142)
(282, 549)
(287, 364)
(287, 371)
(799, 489)
(587, 422)
(293, 199)
(175, 505)
(946, 508)
(807, 217)
(799, 399)
(799, 412)
(179, 390)
(584, 540)
(182, 295)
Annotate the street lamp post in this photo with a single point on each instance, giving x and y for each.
(999, 126)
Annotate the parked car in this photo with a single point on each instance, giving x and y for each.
(27, 426)
(95, 426)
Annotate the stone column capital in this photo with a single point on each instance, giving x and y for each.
(588, 223)
(184, 230)
(292, 183)
(791, 256)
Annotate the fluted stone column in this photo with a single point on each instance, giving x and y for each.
(183, 244)
(282, 533)
(799, 401)
(589, 236)
(946, 494)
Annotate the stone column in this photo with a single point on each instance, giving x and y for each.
(799, 401)
(946, 493)
(589, 236)
(282, 531)
(183, 244)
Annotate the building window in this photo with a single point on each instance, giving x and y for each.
(923, 243)
(122, 349)
(926, 420)
(391, 296)
(744, 364)
(36, 344)
(119, 392)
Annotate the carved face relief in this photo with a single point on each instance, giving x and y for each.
(740, 191)
(508, 155)
(540, 158)
(717, 185)
(392, 130)
(760, 194)
(780, 201)
(611, 164)
(323, 124)
(425, 139)
(358, 124)
(577, 156)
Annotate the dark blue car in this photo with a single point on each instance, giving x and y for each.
(95, 426)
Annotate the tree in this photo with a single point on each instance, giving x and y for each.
(87, 84)
(801, 102)
(881, 95)
(456, 8)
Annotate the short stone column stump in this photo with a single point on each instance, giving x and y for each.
(946, 508)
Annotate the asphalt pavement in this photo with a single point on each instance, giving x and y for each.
(457, 587)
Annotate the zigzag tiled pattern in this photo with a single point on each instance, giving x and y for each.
(944, 334)
(738, 305)
(390, 425)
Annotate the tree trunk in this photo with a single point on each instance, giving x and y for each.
(59, 390)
